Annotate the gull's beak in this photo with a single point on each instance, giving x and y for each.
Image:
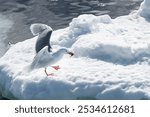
(70, 53)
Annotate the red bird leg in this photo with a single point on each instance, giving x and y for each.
(56, 67)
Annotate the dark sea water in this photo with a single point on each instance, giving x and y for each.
(57, 13)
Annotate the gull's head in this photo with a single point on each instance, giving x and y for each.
(70, 53)
(66, 51)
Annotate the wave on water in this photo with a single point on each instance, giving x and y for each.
(5, 25)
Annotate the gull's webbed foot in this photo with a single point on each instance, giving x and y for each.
(56, 67)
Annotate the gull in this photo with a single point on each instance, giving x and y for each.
(45, 55)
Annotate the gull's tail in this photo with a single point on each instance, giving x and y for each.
(38, 28)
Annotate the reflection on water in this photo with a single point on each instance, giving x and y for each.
(5, 25)
(65, 8)
(58, 13)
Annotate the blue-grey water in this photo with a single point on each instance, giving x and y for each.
(57, 13)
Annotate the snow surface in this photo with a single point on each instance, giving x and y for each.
(112, 61)
(145, 9)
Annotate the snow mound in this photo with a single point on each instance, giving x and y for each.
(145, 8)
(111, 49)
(82, 25)
(112, 61)
(106, 39)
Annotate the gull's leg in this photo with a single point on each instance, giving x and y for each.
(51, 74)
(56, 67)
(45, 71)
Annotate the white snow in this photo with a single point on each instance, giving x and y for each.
(112, 61)
(144, 9)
